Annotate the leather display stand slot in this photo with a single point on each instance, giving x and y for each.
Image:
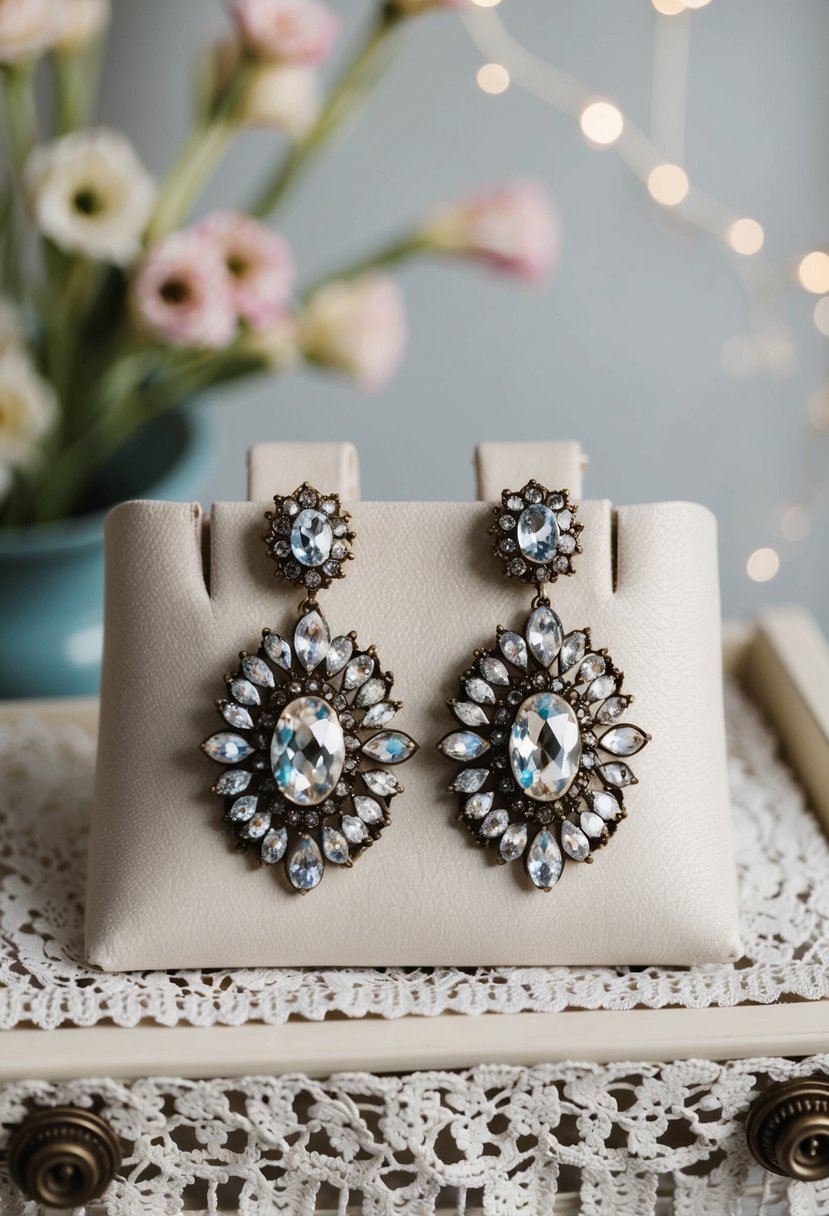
(168, 890)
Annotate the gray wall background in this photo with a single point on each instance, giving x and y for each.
(622, 348)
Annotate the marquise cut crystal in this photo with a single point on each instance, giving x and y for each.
(277, 650)
(334, 846)
(311, 639)
(370, 693)
(227, 748)
(236, 715)
(479, 805)
(274, 844)
(513, 842)
(572, 650)
(623, 740)
(233, 781)
(514, 649)
(389, 747)
(305, 865)
(339, 652)
(574, 842)
(307, 751)
(469, 713)
(544, 861)
(544, 635)
(545, 747)
(463, 745)
(380, 714)
(369, 809)
(381, 783)
(257, 671)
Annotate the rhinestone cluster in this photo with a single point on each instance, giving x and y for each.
(536, 534)
(301, 780)
(543, 746)
(309, 537)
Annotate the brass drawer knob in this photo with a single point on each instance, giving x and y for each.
(63, 1157)
(788, 1129)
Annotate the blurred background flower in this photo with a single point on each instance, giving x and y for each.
(680, 332)
(130, 298)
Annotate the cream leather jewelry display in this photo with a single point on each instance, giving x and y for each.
(186, 593)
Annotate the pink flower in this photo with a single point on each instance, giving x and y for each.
(357, 326)
(512, 228)
(293, 31)
(183, 293)
(259, 264)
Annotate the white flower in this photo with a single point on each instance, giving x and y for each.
(90, 194)
(286, 96)
(26, 28)
(28, 411)
(357, 326)
(79, 22)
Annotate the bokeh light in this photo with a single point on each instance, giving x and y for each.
(602, 122)
(493, 78)
(763, 564)
(745, 236)
(668, 184)
(821, 315)
(813, 272)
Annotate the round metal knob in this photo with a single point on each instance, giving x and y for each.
(788, 1129)
(63, 1157)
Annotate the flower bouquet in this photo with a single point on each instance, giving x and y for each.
(118, 308)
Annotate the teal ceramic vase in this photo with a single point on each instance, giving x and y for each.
(52, 575)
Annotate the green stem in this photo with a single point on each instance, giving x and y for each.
(199, 158)
(350, 93)
(76, 75)
(392, 254)
(60, 487)
(21, 116)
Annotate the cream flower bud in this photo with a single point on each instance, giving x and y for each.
(90, 194)
(285, 96)
(26, 28)
(357, 327)
(28, 410)
(79, 22)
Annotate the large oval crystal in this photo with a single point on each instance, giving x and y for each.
(537, 533)
(307, 751)
(311, 538)
(545, 747)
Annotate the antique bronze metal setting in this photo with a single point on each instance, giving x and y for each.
(307, 756)
(544, 743)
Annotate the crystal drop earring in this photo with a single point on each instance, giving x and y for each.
(543, 743)
(307, 755)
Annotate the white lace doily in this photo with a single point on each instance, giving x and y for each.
(627, 1139)
(45, 779)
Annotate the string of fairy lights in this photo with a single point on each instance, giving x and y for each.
(769, 346)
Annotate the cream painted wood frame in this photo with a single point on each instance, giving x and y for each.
(783, 662)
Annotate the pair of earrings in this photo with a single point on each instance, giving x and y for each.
(309, 755)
